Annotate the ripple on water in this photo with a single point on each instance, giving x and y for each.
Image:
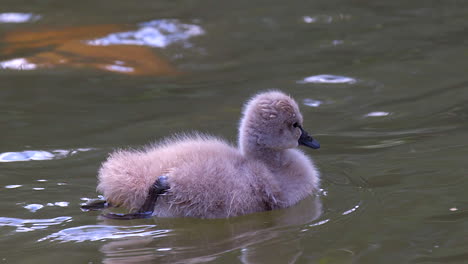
(321, 222)
(328, 78)
(376, 114)
(13, 186)
(325, 19)
(18, 17)
(103, 232)
(29, 155)
(26, 225)
(312, 102)
(157, 33)
(351, 210)
(386, 143)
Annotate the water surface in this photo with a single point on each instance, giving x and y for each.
(382, 85)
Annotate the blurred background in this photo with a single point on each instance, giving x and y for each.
(382, 85)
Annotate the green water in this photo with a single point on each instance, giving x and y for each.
(393, 132)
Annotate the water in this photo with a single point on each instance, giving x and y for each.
(382, 86)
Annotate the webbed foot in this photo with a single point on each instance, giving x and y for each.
(95, 204)
(128, 216)
(160, 186)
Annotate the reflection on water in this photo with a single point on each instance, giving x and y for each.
(188, 240)
(51, 38)
(156, 33)
(124, 52)
(124, 59)
(200, 240)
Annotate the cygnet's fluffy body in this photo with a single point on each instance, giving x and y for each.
(209, 178)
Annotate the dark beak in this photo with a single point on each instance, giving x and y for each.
(307, 140)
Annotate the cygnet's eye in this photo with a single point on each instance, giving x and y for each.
(296, 124)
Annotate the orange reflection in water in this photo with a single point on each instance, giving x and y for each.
(68, 47)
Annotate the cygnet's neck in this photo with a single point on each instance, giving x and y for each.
(274, 158)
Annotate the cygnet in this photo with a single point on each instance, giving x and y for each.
(203, 176)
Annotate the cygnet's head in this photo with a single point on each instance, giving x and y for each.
(272, 120)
